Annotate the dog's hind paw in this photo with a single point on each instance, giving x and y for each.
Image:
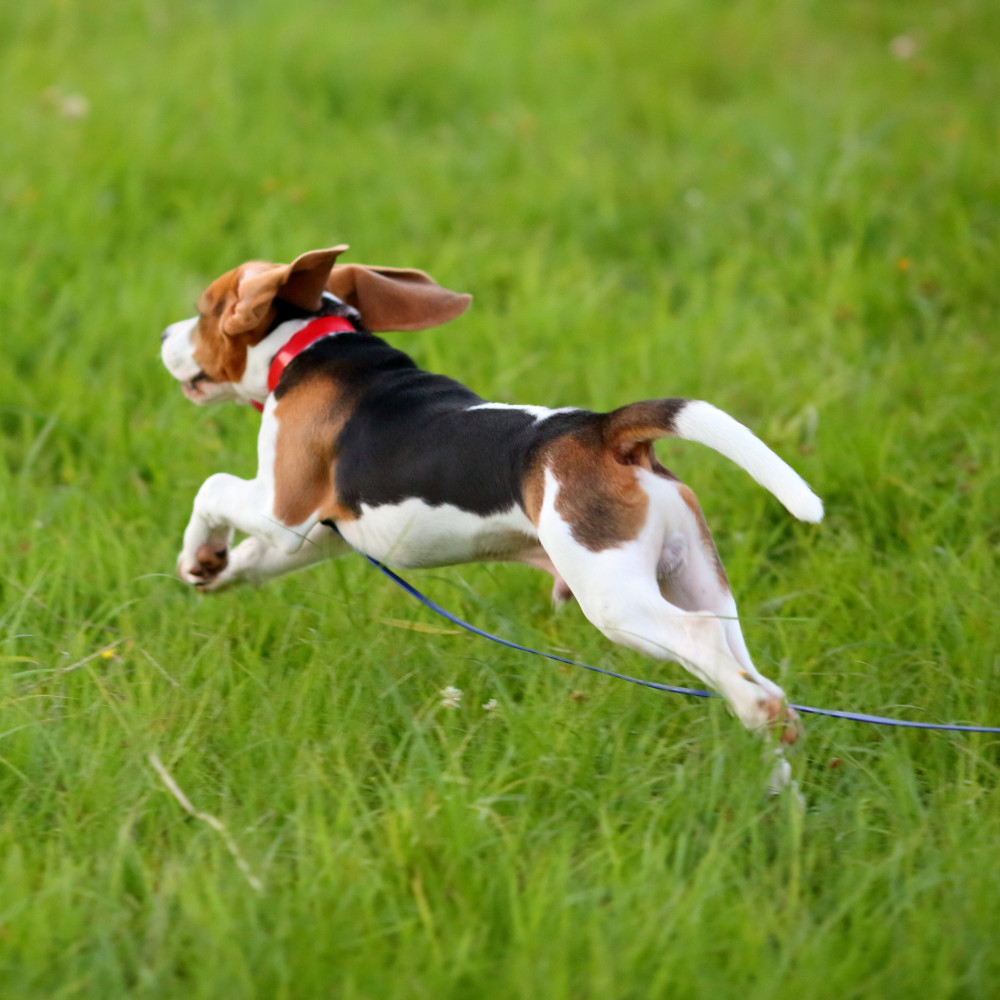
(783, 721)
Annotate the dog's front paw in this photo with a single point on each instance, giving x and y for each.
(204, 567)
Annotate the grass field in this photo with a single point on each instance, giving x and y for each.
(790, 209)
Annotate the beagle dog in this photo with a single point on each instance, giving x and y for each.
(361, 449)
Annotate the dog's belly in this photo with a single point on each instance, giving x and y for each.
(415, 534)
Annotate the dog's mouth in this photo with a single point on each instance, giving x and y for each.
(192, 388)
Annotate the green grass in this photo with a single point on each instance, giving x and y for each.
(759, 204)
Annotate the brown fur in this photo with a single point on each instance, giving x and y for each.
(310, 418)
(393, 298)
(223, 357)
(640, 423)
(533, 490)
(599, 497)
(237, 309)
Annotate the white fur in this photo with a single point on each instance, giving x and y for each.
(665, 609)
(710, 426)
(416, 534)
(253, 385)
(254, 561)
(226, 503)
(538, 412)
(177, 349)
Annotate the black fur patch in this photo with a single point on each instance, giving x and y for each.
(412, 434)
(332, 306)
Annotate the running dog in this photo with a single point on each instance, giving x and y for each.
(361, 449)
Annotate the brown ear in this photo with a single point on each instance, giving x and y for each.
(391, 298)
(302, 283)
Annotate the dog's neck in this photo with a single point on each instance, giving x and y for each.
(253, 388)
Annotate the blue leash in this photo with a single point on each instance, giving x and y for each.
(670, 688)
(879, 720)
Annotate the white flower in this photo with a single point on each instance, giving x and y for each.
(451, 697)
(66, 105)
(903, 46)
(490, 705)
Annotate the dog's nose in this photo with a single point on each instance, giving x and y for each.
(164, 334)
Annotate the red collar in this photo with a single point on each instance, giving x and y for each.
(315, 330)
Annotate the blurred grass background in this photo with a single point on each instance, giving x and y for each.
(789, 209)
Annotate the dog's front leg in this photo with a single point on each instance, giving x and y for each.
(208, 534)
(254, 562)
(225, 504)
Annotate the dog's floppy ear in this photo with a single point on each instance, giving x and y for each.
(302, 283)
(391, 298)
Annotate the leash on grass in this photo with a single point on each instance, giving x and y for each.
(878, 720)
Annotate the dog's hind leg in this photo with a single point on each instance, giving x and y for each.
(618, 588)
(538, 558)
(691, 576)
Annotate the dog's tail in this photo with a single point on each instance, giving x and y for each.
(694, 420)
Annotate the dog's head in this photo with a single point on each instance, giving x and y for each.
(208, 353)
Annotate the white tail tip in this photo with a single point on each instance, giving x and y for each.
(707, 424)
(807, 506)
